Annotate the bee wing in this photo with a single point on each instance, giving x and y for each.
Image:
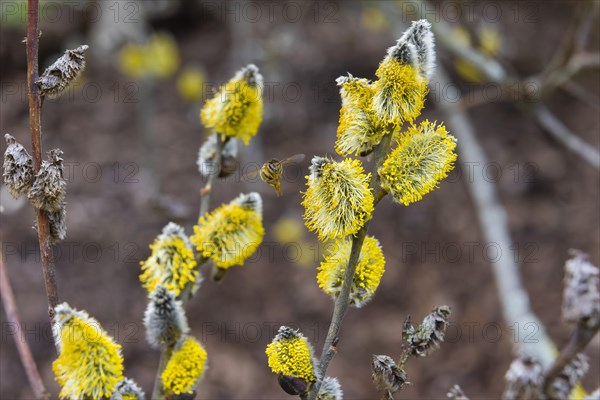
(251, 173)
(296, 158)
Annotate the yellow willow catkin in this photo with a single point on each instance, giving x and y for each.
(185, 367)
(236, 110)
(424, 156)
(290, 354)
(338, 200)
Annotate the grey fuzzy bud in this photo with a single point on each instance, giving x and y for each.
(330, 389)
(286, 333)
(250, 74)
(524, 380)
(59, 75)
(57, 224)
(18, 168)
(127, 388)
(561, 387)
(420, 36)
(251, 201)
(581, 297)
(164, 319)
(430, 333)
(387, 376)
(49, 188)
(207, 155)
(456, 393)
(405, 53)
(317, 164)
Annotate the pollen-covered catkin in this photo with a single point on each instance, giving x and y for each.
(291, 355)
(338, 200)
(561, 387)
(89, 364)
(424, 156)
(236, 110)
(62, 73)
(49, 187)
(185, 367)
(18, 168)
(164, 318)
(369, 270)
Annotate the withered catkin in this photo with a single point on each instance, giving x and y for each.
(18, 168)
(59, 75)
(48, 189)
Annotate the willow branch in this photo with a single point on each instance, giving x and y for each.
(342, 300)
(494, 226)
(551, 124)
(35, 125)
(13, 320)
(579, 340)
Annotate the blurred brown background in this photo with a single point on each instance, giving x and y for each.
(126, 141)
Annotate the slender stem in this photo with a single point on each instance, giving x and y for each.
(579, 340)
(12, 317)
(35, 124)
(186, 293)
(341, 302)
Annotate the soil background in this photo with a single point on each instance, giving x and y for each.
(434, 249)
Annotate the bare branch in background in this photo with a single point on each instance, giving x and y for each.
(12, 317)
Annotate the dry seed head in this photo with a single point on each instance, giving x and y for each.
(207, 155)
(330, 389)
(524, 380)
(127, 389)
(164, 318)
(581, 296)
(49, 188)
(456, 393)
(18, 168)
(387, 376)
(563, 384)
(428, 336)
(57, 224)
(63, 72)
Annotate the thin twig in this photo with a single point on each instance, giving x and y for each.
(341, 302)
(13, 320)
(493, 223)
(35, 114)
(186, 293)
(579, 340)
(559, 131)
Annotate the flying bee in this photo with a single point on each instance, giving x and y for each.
(271, 171)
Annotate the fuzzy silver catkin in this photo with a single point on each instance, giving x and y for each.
(561, 387)
(420, 36)
(330, 390)
(456, 393)
(164, 318)
(387, 376)
(127, 389)
(251, 201)
(581, 296)
(49, 187)
(430, 333)
(207, 154)
(524, 380)
(59, 75)
(18, 168)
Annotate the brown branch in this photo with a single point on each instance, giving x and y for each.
(342, 300)
(579, 340)
(12, 317)
(35, 125)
